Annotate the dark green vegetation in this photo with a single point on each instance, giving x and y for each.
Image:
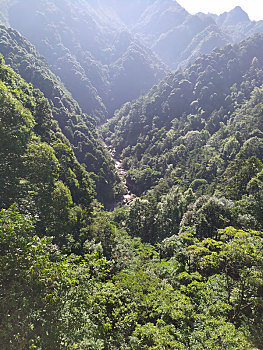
(39, 171)
(79, 128)
(71, 276)
(182, 266)
(197, 137)
(100, 63)
(104, 51)
(188, 294)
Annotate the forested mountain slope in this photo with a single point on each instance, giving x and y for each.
(165, 272)
(175, 35)
(101, 65)
(179, 38)
(79, 128)
(105, 51)
(39, 172)
(191, 291)
(198, 132)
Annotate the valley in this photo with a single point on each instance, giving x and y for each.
(127, 197)
(131, 176)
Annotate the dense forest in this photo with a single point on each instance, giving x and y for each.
(129, 45)
(78, 127)
(103, 69)
(91, 106)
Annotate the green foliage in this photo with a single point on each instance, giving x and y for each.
(213, 149)
(31, 173)
(239, 174)
(40, 288)
(165, 271)
(79, 128)
(110, 66)
(16, 127)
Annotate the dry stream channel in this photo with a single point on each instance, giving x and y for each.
(127, 197)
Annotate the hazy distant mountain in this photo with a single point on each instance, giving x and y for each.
(233, 17)
(178, 37)
(189, 109)
(89, 50)
(236, 24)
(105, 51)
(175, 35)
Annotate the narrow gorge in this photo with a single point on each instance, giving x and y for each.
(127, 196)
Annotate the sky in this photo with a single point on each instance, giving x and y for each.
(254, 8)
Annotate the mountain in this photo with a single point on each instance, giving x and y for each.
(232, 18)
(79, 128)
(198, 131)
(39, 172)
(176, 36)
(93, 58)
(179, 38)
(72, 277)
(181, 265)
(236, 24)
(118, 60)
(110, 52)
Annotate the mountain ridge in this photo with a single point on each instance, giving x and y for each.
(88, 65)
(181, 266)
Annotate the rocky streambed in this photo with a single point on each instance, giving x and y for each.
(127, 197)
